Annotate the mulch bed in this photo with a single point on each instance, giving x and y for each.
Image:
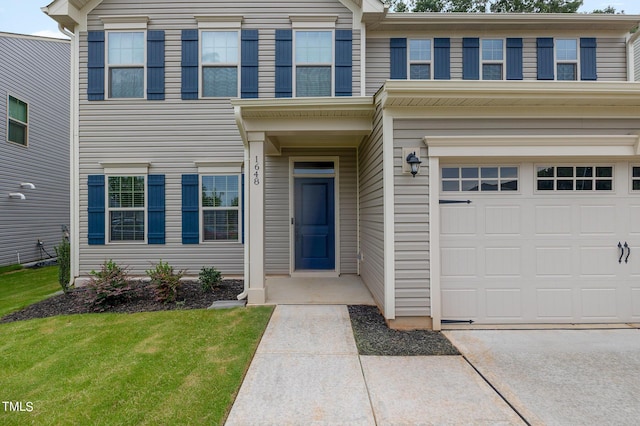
(143, 299)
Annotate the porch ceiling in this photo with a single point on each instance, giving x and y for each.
(306, 122)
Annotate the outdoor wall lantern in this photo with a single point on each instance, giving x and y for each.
(414, 162)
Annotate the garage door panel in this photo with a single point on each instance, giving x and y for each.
(553, 261)
(460, 303)
(458, 220)
(553, 220)
(635, 303)
(502, 262)
(503, 220)
(598, 220)
(503, 303)
(599, 304)
(459, 262)
(599, 261)
(634, 220)
(554, 304)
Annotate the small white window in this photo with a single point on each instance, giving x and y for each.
(18, 118)
(314, 63)
(420, 59)
(219, 58)
(479, 179)
(574, 178)
(126, 64)
(635, 178)
(126, 208)
(567, 59)
(220, 204)
(492, 59)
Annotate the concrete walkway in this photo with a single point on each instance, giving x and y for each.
(307, 371)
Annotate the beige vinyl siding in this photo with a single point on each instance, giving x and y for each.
(371, 201)
(456, 58)
(611, 59)
(530, 58)
(411, 231)
(378, 64)
(277, 209)
(636, 60)
(34, 70)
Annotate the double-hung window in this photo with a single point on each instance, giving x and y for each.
(219, 59)
(18, 116)
(126, 208)
(314, 63)
(419, 59)
(126, 64)
(220, 203)
(492, 59)
(567, 59)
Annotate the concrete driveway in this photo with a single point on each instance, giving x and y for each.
(560, 377)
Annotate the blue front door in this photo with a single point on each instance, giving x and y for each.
(315, 237)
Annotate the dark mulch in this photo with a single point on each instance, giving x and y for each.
(373, 337)
(143, 299)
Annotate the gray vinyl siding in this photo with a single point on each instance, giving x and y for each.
(371, 200)
(611, 59)
(411, 231)
(378, 64)
(277, 209)
(173, 134)
(34, 70)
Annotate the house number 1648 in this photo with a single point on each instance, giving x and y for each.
(256, 173)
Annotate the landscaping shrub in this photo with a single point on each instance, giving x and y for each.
(209, 278)
(165, 281)
(63, 252)
(110, 285)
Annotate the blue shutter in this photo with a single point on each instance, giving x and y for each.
(242, 201)
(514, 59)
(96, 209)
(189, 64)
(344, 59)
(588, 69)
(546, 69)
(284, 63)
(441, 59)
(470, 58)
(249, 64)
(95, 65)
(156, 215)
(155, 65)
(398, 54)
(190, 210)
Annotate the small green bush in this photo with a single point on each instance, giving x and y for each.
(165, 281)
(63, 252)
(209, 278)
(109, 286)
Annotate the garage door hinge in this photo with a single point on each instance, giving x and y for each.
(452, 321)
(455, 201)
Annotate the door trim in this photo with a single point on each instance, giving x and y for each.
(336, 202)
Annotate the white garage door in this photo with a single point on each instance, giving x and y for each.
(552, 242)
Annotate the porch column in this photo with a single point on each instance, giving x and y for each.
(256, 293)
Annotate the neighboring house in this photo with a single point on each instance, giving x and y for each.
(272, 138)
(34, 153)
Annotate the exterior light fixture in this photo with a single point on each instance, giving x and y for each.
(414, 162)
(27, 185)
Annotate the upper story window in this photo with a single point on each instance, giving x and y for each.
(219, 59)
(566, 59)
(492, 59)
(18, 117)
(313, 63)
(420, 59)
(126, 64)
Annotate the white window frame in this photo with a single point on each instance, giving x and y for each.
(202, 65)
(556, 61)
(501, 62)
(323, 64)
(109, 209)
(632, 179)
(555, 178)
(9, 119)
(460, 179)
(420, 62)
(108, 66)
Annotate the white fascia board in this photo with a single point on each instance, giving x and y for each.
(125, 167)
(217, 22)
(132, 22)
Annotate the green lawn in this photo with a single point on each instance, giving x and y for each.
(26, 286)
(171, 367)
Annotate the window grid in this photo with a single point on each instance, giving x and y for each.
(492, 64)
(479, 179)
(220, 202)
(126, 53)
(574, 178)
(219, 53)
(566, 59)
(126, 206)
(18, 117)
(420, 54)
(635, 178)
(314, 63)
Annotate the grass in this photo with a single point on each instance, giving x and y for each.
(20, 288)
(169, 367)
